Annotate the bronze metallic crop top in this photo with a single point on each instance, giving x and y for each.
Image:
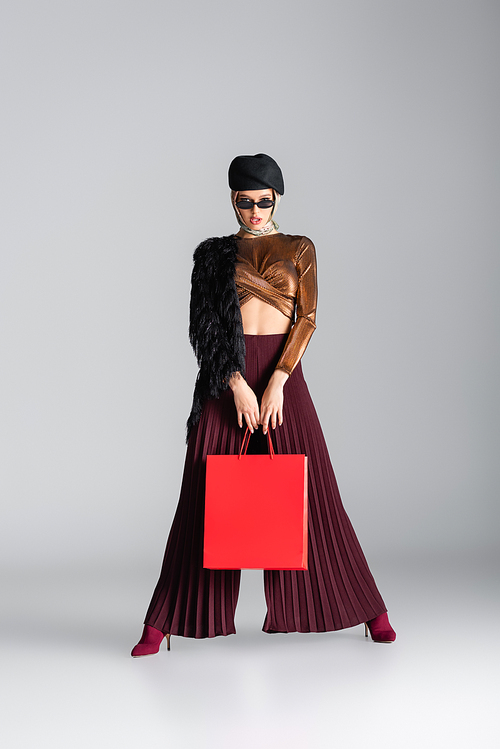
(280, 269)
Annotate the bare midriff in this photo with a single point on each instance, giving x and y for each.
(260, 318)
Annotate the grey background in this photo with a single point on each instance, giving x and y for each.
(119, 120)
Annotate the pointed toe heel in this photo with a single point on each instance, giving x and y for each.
(380, 629)
(150, 642)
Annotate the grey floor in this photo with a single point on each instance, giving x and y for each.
(68, 680)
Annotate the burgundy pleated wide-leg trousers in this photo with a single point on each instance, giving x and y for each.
(338, 589)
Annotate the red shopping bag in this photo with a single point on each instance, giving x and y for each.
(256, 511)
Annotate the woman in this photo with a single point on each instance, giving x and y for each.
(252, 313)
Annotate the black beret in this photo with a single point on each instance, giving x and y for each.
(255, 173)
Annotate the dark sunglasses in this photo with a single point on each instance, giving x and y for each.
(247, 205)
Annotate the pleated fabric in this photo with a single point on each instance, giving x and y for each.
(337, 590)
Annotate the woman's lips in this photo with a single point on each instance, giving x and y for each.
(255, 220)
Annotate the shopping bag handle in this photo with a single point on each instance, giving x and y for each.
(246, 440)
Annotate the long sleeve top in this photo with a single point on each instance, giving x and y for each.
(280, 269)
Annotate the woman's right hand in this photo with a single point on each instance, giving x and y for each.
(245, 401)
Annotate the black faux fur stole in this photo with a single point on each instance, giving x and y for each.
(215, 327)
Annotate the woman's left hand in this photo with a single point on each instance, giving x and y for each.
(271, 406)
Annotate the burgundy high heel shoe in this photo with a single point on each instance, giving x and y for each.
(380, 629)
(150, 642)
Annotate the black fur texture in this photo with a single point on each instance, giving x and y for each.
(215, 327)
